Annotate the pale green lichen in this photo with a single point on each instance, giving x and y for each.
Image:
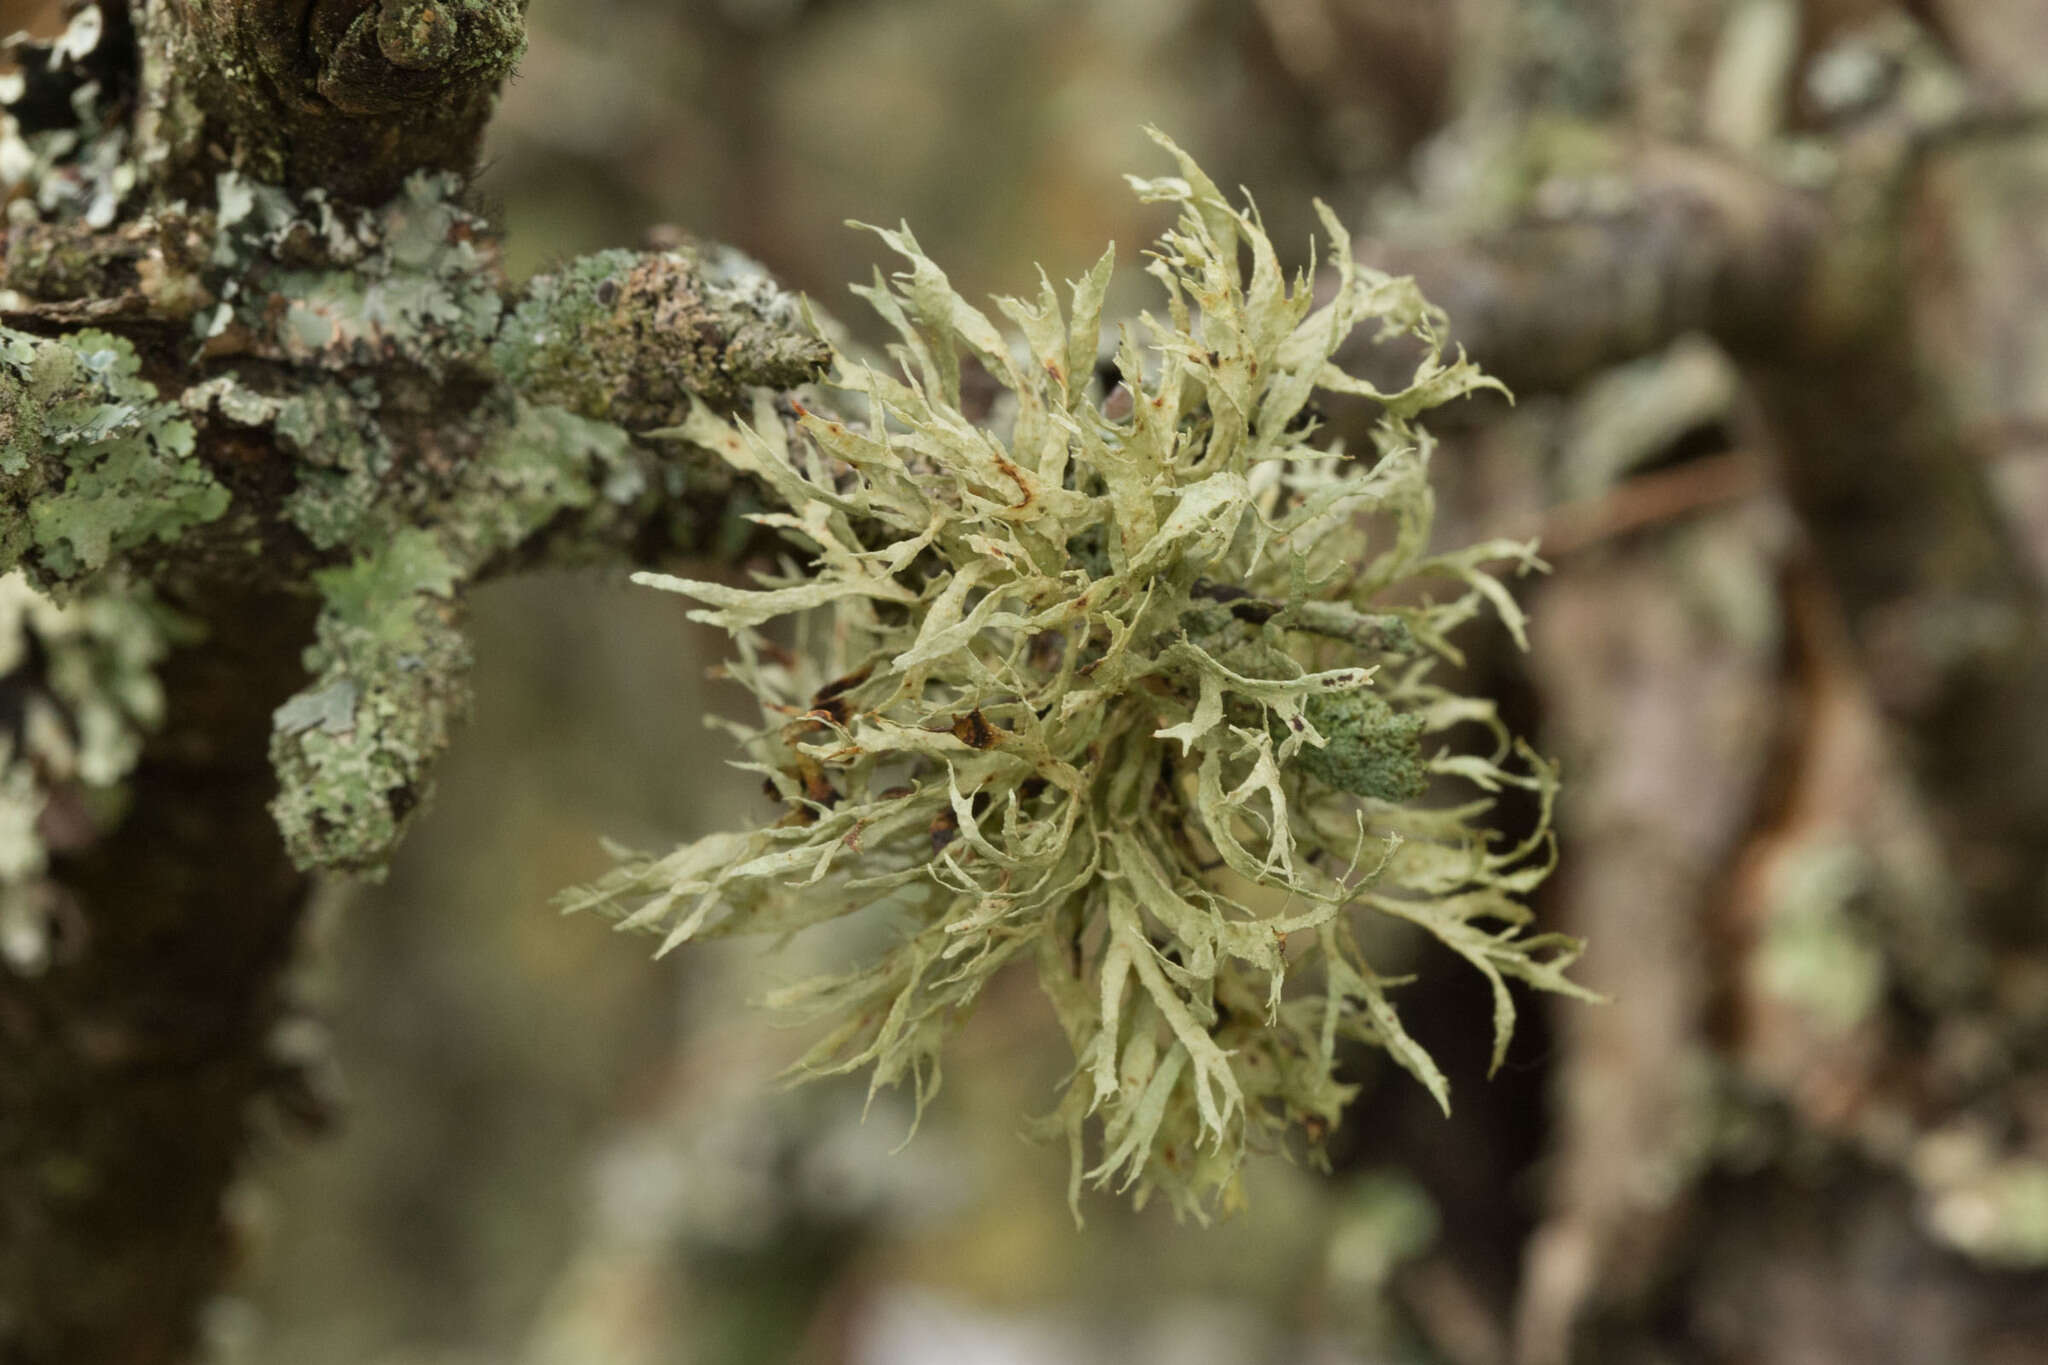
(1988, 1203)
(389, 667)
(78, 692)
(545, 466)
(1385, 1221)
(92, 464)
(1818, 949)
(82, 171)
(337, 294)
(419, 421)
(308, 281)
(354, 750)
(1062, 683)
(345, 467)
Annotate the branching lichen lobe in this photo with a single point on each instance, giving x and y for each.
(1119, 684)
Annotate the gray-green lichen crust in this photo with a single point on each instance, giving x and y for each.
(305, 280)
(335, 335)
(1133, 686)
(615, 341)
(1371, 749)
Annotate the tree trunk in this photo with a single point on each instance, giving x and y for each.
(132, 1071)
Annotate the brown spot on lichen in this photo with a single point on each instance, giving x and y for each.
(1016, 476)
(839, 686)
(974, 731)
(817, 786)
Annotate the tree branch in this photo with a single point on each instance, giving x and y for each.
(347, 96)
(1696, 243)
(128, 1072)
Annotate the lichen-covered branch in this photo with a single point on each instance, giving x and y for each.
(1588, 254)
(1875, 273)
(258, 367)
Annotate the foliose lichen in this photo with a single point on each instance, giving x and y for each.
(63, 132)
(304, 280)
(390, 667)
(1133, 686)
(364, 321)
(93, 463)
(355, 749)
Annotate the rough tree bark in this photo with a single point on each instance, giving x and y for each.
(130, 1069)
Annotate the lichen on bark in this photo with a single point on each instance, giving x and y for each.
(362, 396)
(93, 463)
(249, 325)
(632, 337)
(78, 693)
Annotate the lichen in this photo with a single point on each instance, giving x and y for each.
(64, 145)
(1088, 686)
(355, 749)
(1817, 951)
(1989, 1204)
(352, 750)
(1371, 749)
(320, 284)
(93, 464)
(372, 349)
(78, 692)
(630, 337)
(331, 291)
